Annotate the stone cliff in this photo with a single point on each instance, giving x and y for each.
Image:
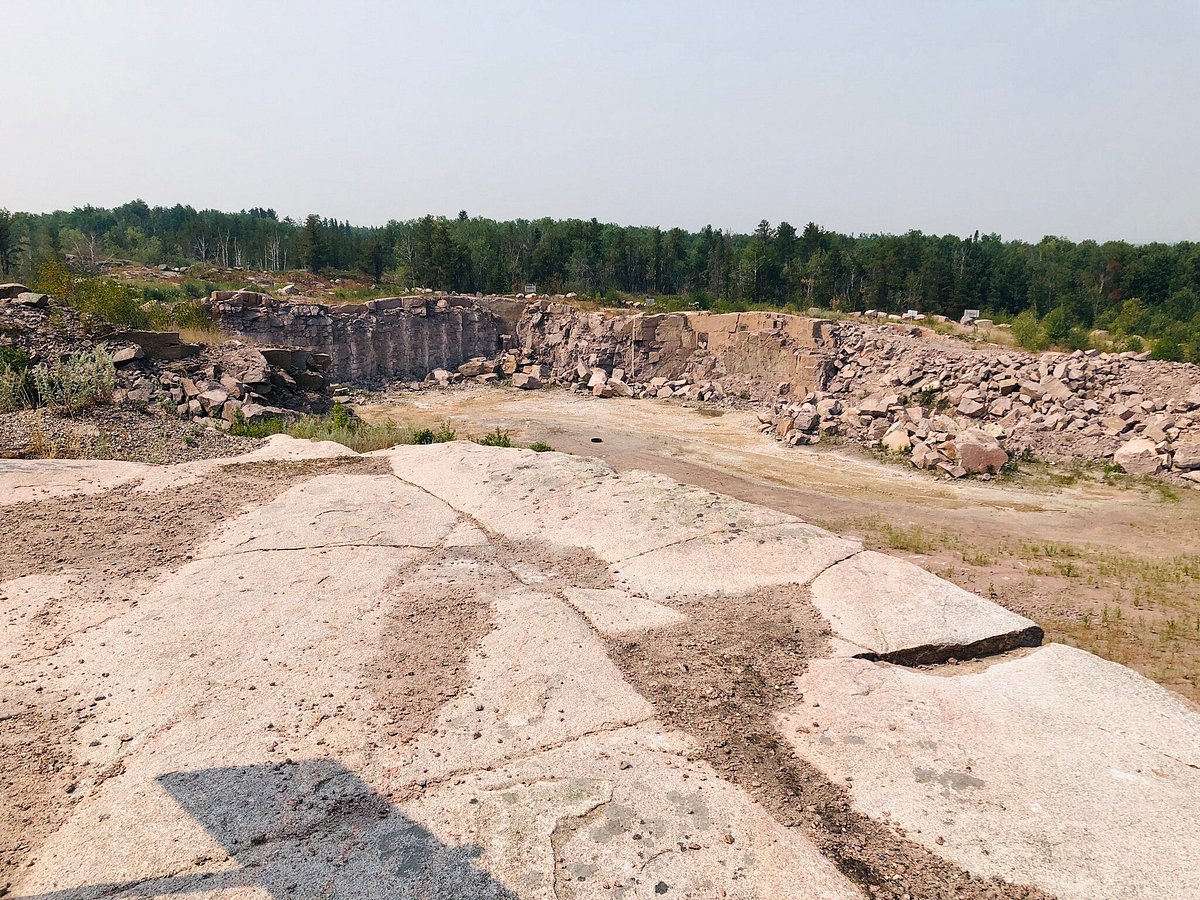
(404, 337)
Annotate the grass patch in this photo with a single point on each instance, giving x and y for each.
(343, 428)
(912, 538)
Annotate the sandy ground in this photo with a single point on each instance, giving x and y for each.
(1110, 567)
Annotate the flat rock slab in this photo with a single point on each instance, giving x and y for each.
(278, 447)
(663, 539)
(1055, 768)
(898, 612)
(409, 683)
(328, 511)
(569, 501)
(25, 480)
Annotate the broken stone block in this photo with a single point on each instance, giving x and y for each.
(128, 355)
(978, 452)
(1138, 457)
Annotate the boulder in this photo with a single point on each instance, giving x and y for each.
(128, 355)
(12, 290)
(257, 412)
(161, 344)
(526, 381)
(1138, 457)
(1187, 453)
(213, 399)
(32, 299)
(897, 440)
(978, 452)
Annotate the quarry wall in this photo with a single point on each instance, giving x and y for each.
(750, 354)
(408, 337)
(402, 337)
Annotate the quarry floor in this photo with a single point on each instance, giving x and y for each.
(1112, 567)
(461, 672)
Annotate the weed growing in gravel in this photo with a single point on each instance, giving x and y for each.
(913, 539)
(540, 447)
(497, 437)
(75, 383)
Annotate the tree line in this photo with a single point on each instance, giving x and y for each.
(1059, 289)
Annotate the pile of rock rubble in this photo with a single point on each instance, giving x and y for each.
(965, 410)
(158, 371)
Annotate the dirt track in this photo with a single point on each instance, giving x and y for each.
(1112, 568)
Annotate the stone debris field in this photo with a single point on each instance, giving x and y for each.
(455, 671)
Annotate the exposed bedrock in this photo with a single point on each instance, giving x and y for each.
(403, 337)
(408, 337)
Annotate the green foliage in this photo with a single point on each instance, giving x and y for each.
(497, 437)
(540, 447)
(16, 389)
(14, 358)
(77, 382)
(1028, 331)
(150, 306)
(343, 427)
(1132, 291)
(440, 435)
(97, 299)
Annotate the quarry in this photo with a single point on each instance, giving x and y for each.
(777, 606)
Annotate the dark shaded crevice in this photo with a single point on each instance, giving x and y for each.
(938, 654)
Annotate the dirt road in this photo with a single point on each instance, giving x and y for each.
(1110, 566)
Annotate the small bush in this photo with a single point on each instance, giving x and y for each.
(77, 382)
(16, 391)
(14, 358)
(1028, 332)
(498, 437)
(540, 447)
(191, 314)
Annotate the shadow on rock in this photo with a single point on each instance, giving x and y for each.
(308, 829)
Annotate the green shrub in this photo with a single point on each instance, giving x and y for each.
(540, 447)
(191, 314)
(444, 433)
(16, 391)
(153, 306)
(423, 436)
(77, 382)
(1028, 332)
(197, 290)
(14, 358)
(497, 437)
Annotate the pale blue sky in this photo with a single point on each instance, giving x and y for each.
(1024, 118)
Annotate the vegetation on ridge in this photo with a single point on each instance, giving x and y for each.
(1056, 290)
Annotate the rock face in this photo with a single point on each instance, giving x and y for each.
(461, 671)
(405, 337)
(955, 410)
(695, 355)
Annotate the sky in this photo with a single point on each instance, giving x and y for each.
(1020, 118)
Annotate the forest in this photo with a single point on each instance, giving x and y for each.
(1055, 291)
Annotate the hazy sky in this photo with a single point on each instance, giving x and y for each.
(1024, 118)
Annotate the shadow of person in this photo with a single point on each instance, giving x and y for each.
(309, 829)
